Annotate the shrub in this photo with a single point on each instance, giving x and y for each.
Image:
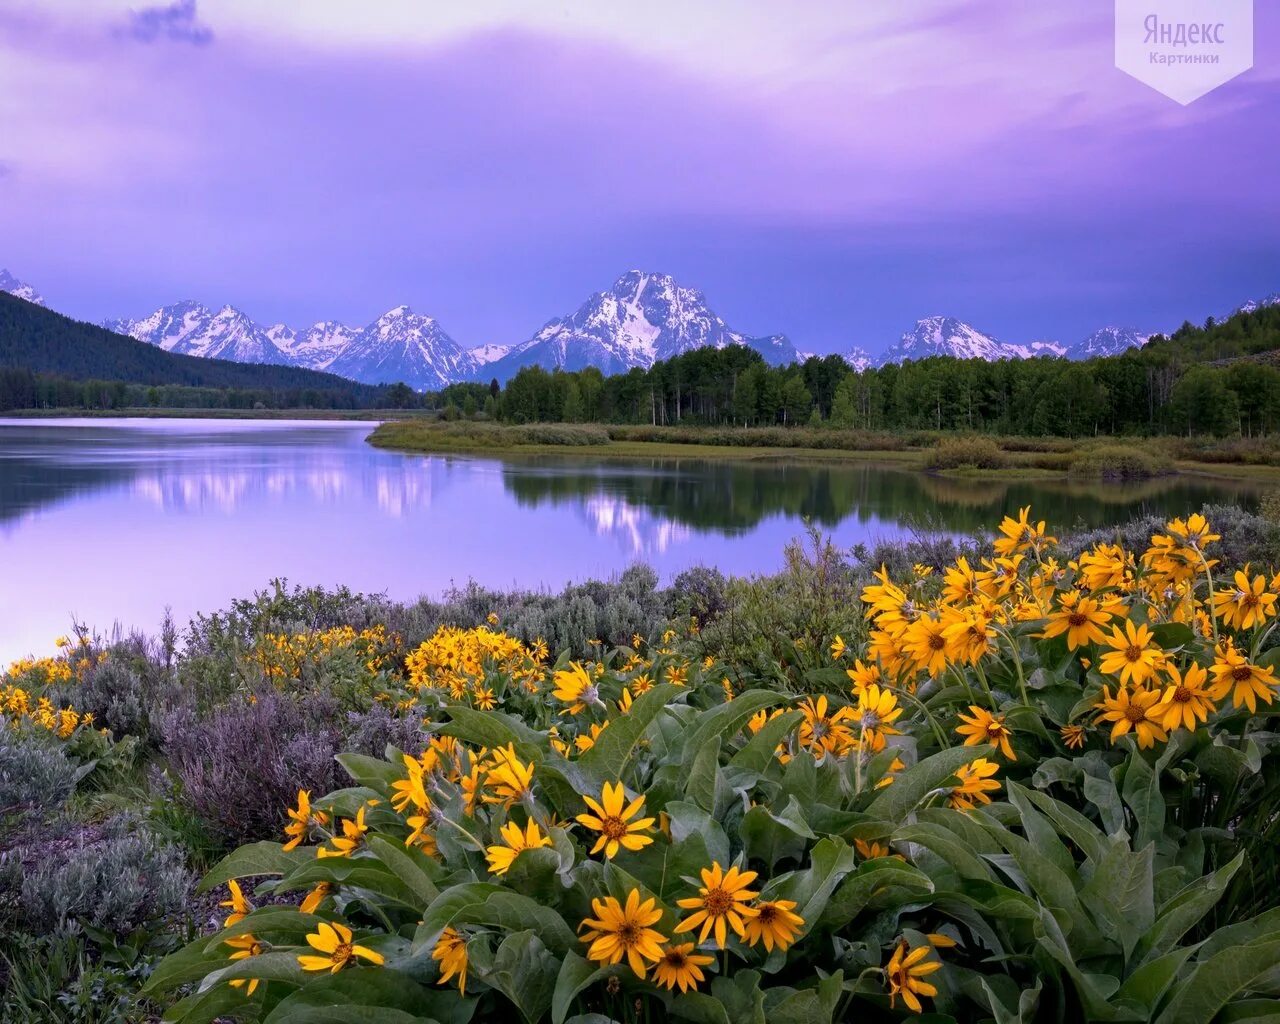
(115, 877)
(35, 772)
(1118, 462)
(966, 453)
(127, 687)
(239, 768)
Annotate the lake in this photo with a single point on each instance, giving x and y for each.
(109, 521)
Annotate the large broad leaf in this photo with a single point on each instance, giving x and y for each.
(741, 996)
(492, 729)
(772, 837)
(575, 974)
(525, 972)
(703, 773)
(1181, 913)
(359, 995)
(726, 720)
(761, 750)
(1038, 829)
(830, 861)
(1149, 982)
(220, 1003)
(1121, 893)
(486, 904)
(1056, 891)
(190, 963)
(411, 866)
(1095, 991)
(896, 801)
(1072, 824)
(253, 859)
(945, 844)
(368, 873)
(608, 756)
(1216, 981)
(372, 772)
(688, 819)
(806, 1006)
(874, 878)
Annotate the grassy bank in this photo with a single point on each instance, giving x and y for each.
(960, 455)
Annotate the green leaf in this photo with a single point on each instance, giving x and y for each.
(358, 995)
(254, 859)
(1121, 893)
(725, 720)
(945, 844)
(1141, 791)
(368, 873)
(525, 972)
(759, 752)
(1212, 983)
(575, 974)
(1149, 982)
(829, 861)
(408, 866)
(1173, 634)
(806, 1006)
(487, 904)
(190, 963)
(492, 729)
(872, 879)
(373, 772)
(607, 759)
(1181, 913)
(911, 785)
(703, 772)
(688, 819)
(772, 837)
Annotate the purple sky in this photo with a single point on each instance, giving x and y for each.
(829, 169)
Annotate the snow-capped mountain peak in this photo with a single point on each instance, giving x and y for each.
(643, 317)
(859, 358)
(945, 336)
(1252, 306)
(10, 284)
(189, 328)
(1108, 341)
(402, 345)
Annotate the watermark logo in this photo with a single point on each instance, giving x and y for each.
(1184, 48)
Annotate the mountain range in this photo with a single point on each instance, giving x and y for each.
(642, 318)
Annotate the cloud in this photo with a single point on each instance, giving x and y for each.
(176, 23)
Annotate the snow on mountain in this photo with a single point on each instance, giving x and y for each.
(642, 318)
(1253, 305)
(1107, 341)
(314, 347)
(402, 345)
(10, 284)
(488, 353)
(189, 328)
(859, 358)
(1035, 349)
(946, 336)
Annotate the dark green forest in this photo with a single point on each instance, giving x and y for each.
(51, 361)
(1218, 379)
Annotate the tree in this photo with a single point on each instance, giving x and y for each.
(844, 412)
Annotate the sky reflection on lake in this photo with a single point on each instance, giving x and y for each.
(110, 521)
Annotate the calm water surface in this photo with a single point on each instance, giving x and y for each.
(110, 521)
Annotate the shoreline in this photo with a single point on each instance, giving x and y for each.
(442, 441)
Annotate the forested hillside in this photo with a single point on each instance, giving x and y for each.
(1200, 380)
(43, 352)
